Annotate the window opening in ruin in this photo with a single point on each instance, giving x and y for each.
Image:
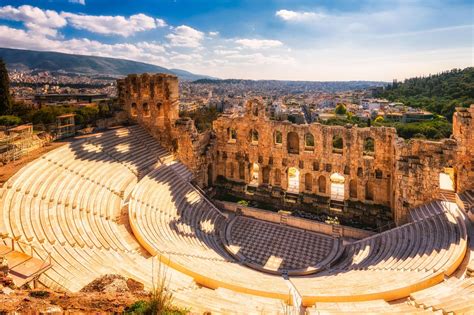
(266, 175)
(242, 170)
(254, 174)
(446, 179)
(232, 171)
(308, 182)
(293, 143)
(146, 110)
(322, 184)
(133, 111)
(232, 134)
(209, 175)
(369, 147)
(337, 144)
(255, 109)
(278, 137)
(309, 141)
(293, 180)
(353, 188)
(277, 177)
(337, 186)
(369, 191)
(159, 107)
(254, 136)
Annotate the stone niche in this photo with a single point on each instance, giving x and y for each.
(362, 174)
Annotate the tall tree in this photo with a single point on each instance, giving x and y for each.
(5, 96)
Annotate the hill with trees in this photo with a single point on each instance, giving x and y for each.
(439, 93)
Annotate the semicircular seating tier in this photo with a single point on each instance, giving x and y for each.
(172, 220)
(69, 204)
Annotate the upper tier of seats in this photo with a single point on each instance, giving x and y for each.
(69, 203)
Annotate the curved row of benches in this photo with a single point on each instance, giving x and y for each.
(172, 220)
(68, 203)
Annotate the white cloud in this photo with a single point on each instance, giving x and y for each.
(185, 36)
(35, 19)
(160, 23)
(259, 43)
(83, 2)
(113, 25)
(213, 33)
(299, 16)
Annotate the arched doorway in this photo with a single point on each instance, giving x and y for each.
(254, 174)
(293, 143)
(337, 186)
(293, 180)
(446, 179)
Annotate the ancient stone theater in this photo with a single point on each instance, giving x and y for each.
(157, 195)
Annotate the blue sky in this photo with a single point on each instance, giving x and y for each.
(281, 39)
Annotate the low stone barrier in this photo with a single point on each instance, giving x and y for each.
(310, 225)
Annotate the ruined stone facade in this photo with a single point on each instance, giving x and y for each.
(364, 174)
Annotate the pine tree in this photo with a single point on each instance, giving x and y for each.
(5, 97)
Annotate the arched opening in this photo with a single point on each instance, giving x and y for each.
(254, 172)
(133, 109)
(278, 138)
(232, 170)
(369, 191)
(322, 184)
(353, 188)
(255, 109)
(254, 136)
(446, 179)
(309, 141)
(231, 134)
(146, 110)
(266, 175)
(209, 175)
(308, 182)
(277, 175)
(337, 144)
(293, 180)
(369, 146)
(293, 143)
(337, 186)
(242, 170)
(159, 108)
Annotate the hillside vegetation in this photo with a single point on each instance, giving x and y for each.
(439, 93)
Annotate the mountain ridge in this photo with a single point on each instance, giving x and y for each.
(22, 59)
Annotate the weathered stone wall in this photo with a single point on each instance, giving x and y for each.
(396, 175)
(315, 163)
(153, 102)
(463, 132)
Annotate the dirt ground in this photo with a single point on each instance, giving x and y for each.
(106, 295)
(8, 170)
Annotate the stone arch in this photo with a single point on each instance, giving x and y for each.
(337, 186)
(242, 170)
(447, 179)
(146, 110)
(293, 180)
(337, 144)
(133, 109)
(254, 135)
(266, 175)
(293, 143)
(369, 146)
(369, 191)
(278, 137)
(254, 174)
(159, 108)
(277, 177)
(308, 182)
(231, 134)
(322, 184)
(309, 140)
(353, 188)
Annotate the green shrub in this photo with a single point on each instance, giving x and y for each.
(244, 203)
(9, 120)
(39, 294)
